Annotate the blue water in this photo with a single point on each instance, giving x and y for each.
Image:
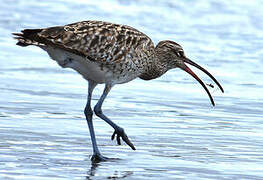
(177, 132)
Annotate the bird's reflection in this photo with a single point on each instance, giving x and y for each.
(92, 171)
(116, 175)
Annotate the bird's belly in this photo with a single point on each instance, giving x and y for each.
(91, 70)
(88, 69)
(120, 78)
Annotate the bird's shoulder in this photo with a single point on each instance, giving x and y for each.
(98, 40)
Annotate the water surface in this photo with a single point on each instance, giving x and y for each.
(177, 133)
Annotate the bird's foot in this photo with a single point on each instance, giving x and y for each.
(120, 133)
(98, 158)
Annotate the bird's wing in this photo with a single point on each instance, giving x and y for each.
(96, 40)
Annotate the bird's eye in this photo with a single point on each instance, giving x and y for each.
(178, 53)
(181, 53)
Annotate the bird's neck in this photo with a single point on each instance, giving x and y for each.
(155, 67)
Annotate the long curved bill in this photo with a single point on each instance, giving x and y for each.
(184, 67)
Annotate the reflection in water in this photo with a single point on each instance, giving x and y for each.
(92, 171)
(116, 175)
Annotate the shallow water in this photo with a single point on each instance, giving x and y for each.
(177, 133)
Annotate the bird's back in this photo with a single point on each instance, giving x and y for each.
(113, 46)
(98, 40)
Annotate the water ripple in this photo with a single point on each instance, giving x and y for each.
(177, 133)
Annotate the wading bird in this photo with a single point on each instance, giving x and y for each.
(106, 53)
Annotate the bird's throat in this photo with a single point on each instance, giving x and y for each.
(155, 70)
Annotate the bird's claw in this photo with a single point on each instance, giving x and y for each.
(98, 158)
(121, 134)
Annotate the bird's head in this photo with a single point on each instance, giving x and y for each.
(172, 54)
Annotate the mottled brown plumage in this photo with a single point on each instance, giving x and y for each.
(108, 53)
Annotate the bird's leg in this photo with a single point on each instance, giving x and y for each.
(88, 113)
(118, 130)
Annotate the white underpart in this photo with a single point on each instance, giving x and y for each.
(88, 69)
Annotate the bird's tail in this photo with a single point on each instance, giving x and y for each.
(28, 37)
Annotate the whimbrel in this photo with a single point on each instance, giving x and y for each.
(107, 53)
